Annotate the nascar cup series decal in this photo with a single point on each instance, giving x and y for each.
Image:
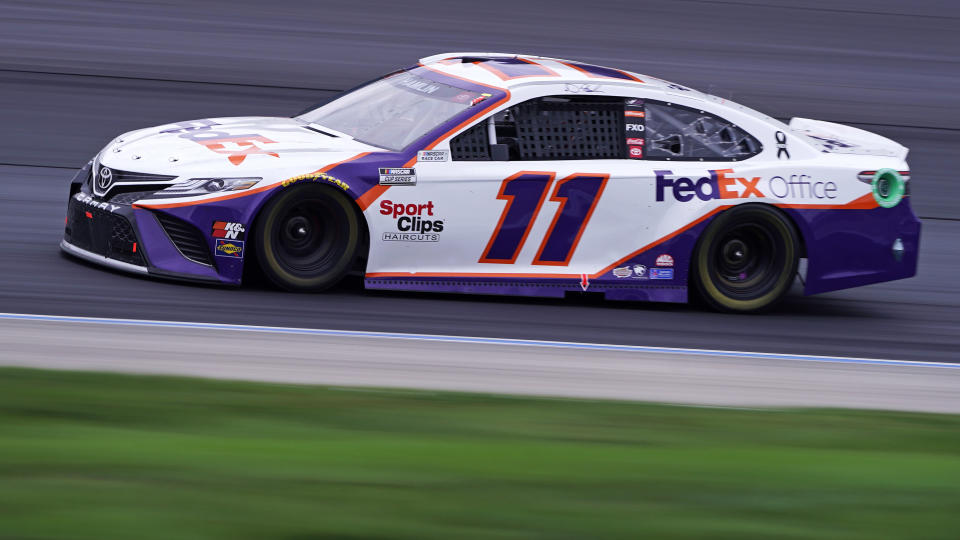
(229, 248)
(412, 221)
(398, 176)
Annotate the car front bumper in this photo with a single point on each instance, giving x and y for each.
(141, 241)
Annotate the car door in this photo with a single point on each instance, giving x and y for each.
(502, 199)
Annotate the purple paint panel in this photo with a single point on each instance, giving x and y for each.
(548, 288)
(850, 248)
(515, 68)
(164, 255)
(601, 72)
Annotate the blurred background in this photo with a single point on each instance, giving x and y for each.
(98, 456)
(74, 74)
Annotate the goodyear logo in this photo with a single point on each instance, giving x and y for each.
(230, 248)
(317, 176)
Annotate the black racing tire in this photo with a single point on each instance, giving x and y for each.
(746, 260)
(307, 238)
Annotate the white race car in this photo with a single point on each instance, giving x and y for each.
(507, 174)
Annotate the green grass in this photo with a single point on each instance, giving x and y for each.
(119, 457)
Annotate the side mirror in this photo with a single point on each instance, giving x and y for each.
(499, 152)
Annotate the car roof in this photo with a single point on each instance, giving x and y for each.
(507, 70)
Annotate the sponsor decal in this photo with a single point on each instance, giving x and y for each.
(635, 127)
(800, 186)
(412, 221)
(462, 97)
(229, 230)
(479, 99)
(317, 176)
(87, 199)
(721, 184)
(674, 86)
(664, 260)
(830, 142)
(636, 152)
(398, 176)
(633, 114)
(637, 271)
(410, 237)
(661, 273)
(718, 185)
(634, 141)
(235, 146)
(782, 145)
(636, 102)
(578, 88)
(229, 248)
(433, 155)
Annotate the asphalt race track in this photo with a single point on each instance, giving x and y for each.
(75, 74)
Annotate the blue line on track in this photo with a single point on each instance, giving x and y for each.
(473, 340)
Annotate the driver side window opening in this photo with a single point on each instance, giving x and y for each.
(548, 128)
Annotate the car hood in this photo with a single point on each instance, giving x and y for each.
(221, 146)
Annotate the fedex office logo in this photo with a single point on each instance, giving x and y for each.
(233, 145)
(719, 185)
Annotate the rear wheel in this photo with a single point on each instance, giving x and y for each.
(307, 238)
(746, 260)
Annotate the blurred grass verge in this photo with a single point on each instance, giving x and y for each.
(103, 456)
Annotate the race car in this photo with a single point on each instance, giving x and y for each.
(506, 174)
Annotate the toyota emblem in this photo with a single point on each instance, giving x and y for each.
(105, 179)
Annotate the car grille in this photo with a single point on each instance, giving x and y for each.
(188, 239)
(128, 181)
(102, 232)
(128, 198)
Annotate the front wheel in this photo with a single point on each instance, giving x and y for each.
(307, 238)
(746, 259)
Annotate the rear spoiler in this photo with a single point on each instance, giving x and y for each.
(842, 139)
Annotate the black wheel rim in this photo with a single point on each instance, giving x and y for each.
(308, 237)
(746, 260)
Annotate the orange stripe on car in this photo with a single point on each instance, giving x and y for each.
(242, 193)
(866, 202)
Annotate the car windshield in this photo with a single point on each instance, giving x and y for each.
(395, 111)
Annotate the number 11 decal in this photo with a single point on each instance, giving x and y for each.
(525, 192)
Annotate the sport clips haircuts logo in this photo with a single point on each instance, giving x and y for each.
(412, 222)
